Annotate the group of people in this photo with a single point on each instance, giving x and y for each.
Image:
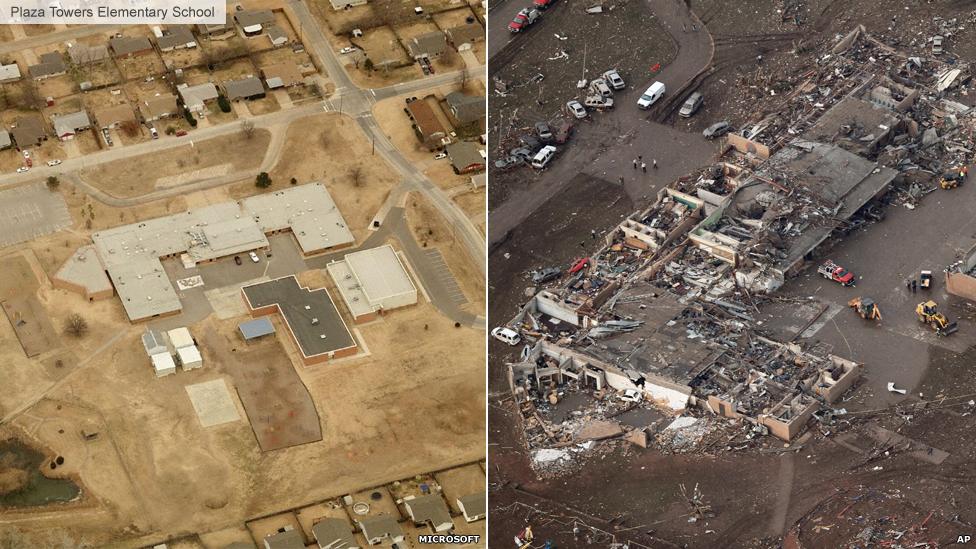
(639, 162)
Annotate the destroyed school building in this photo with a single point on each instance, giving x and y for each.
(665, 307)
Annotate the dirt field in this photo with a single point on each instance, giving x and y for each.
(430, 230)
(325, 148)
(33, 329)
(126, 178)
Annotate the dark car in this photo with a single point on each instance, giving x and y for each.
(543, 131)
(717, 130)
(563, 131)
(545, 275)
(237, 259)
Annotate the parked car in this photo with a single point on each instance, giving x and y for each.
(254, 257)
(563, 131)
(631, 395)
(107, 137)
(180, 133)
(691, 105)
(546, 275)
(521, 153)
(506, 335)
(153, 132)
(237, 259)
(54, 162)
(651, 95)
(576, 109)
(599, 86)
(530, 142)
(523, 19)
(23, 169)
(347, 49)
(543, 4)
(614, 79)
(543, 131)
(543, 157)
(598, 102)
(717, 129)
(440, 156)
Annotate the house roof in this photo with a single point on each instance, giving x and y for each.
(199, 94)
(28, 130)
(52, 63)
(4, 139)
(9, 72)
(430, 509)
(243, 88)
(282, 74)
(175, 37)
(383, 526)
(466, 108)
(250, 18)
(115, 114)
(464, 154)
(423, 115)
(333, 533)
(431, 43)
(214, 28)
(67, 124)
(127, 45)
(160, 105)
(473, 505)
(83, 53)
(467, 33)
(291, 539)
(153, 342)
(277, 34)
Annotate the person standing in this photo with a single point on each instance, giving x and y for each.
(655, 163)
(644, 167)
(635, 163)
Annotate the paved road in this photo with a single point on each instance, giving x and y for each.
(57, 36)
(605, 148)
(358, 103)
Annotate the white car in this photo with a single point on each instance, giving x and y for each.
(506, 335)
(651, 95)
(613, 78)
(26, 153)
(254, 257)
(576, 109)
(347, 49)
(23, 169)
(54, 162)
(631, 395)
(439, 156)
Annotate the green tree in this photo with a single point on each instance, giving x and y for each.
(223, 103)
(368, 64)
(53, 182)
(263, 180)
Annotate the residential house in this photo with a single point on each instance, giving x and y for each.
(176, 38)
(114, 116)
(196, 98)
(431, 510)
(68, 126)
(277, 35)
(83, 54)
(289, 539)
(246, 88)
(428, 128)
(474, 507)
(217, 31)
(466, 157)
(253, 22)
(9, 73)
(52, 64)
(430, 45)
(381, 528)
(334, 533)
(346, 4)
(462, 36)
(28, 131)
(158, 107)
(5, 142)
(466, 108)
(130, 46)
(282, 75)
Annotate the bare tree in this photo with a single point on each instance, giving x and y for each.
(247, 129)
(357, 176)
(53, 182)
(76, 325)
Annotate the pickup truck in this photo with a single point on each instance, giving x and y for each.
(833, 271)
(523, 19)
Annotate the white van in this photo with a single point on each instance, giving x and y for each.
(506, 335)
(650, 96)
(543, 157)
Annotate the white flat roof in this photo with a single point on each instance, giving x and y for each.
(180, 337)
(85, 269)
(163, 362)
(352, 294)
(307, 210)
(145, 289)
(380, 273)
(189, 355)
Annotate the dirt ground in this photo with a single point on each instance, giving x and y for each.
(324, 148)
(126, 178)
(430, 230)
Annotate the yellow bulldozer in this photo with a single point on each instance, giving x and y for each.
(928, 312)
(953, 178)
(865, 307)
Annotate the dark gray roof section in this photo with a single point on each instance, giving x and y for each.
(310, 314)
(291, 539)
(52, 63)
(259, 327)
(176, 37)
(243, 88)
(430, 509)
(466, 108)
(128, 45)
(380, 527)
(431, 44)
(474, 505)
(464, 155)
(28, 131)
(249, 18)
(333, 533)
(468, 33)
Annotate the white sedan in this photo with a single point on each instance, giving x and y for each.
(506, 335)
(576, 109)
(54, 162)
(254, 257)
(23, 169)
(347, 49)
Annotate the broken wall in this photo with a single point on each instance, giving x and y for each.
(747, 146)
(785, 430)
(550, 304)
(831, 389)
